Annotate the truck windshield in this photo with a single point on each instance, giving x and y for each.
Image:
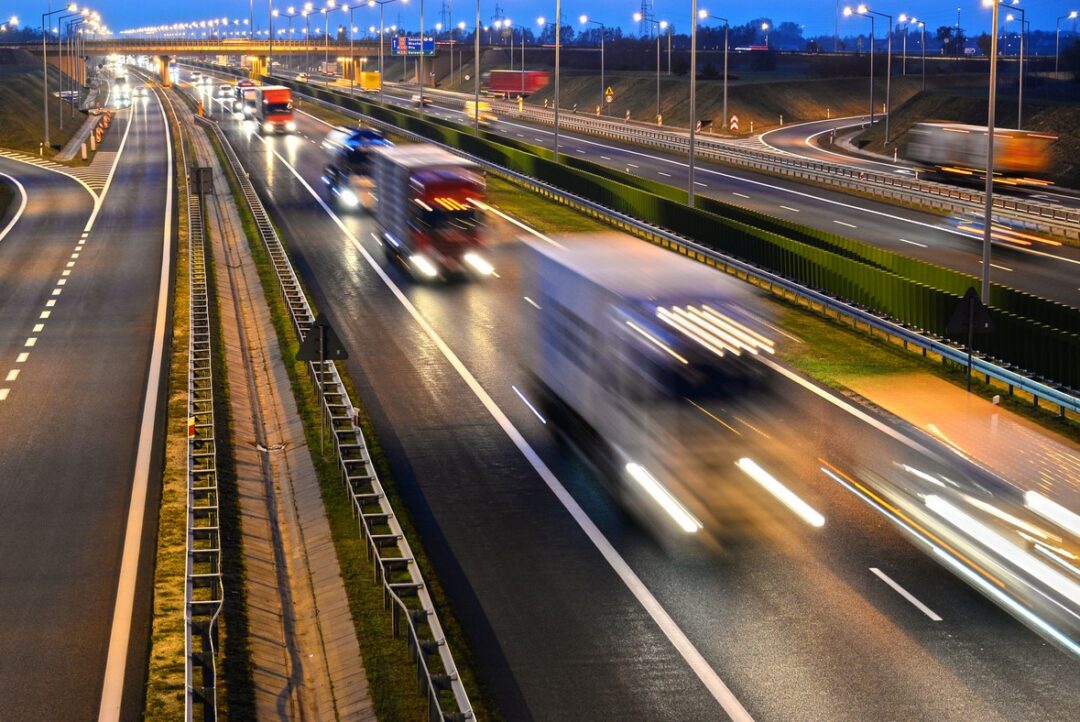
(449, 221)
(278, 107)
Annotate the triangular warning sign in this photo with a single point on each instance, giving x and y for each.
(321, 343)
(971, 311)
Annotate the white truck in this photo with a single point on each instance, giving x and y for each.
(428, 203)
(631, 348)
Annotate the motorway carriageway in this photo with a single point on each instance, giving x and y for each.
(1043, 269)
(572, 610)
(81, 345)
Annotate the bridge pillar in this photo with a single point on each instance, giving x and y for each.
(163, 71)
(260, 66)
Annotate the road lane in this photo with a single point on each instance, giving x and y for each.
(68, 430)
(783, 597)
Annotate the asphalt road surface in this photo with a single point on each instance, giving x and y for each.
(573, 610)
(77, 321)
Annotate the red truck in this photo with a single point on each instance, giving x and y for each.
(510, 83)
(274, 109)
(429, 207)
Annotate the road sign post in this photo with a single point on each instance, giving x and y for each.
(970, 317)
(323, 345)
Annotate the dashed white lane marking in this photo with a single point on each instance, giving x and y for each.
(699, 183)
(914, 243)
(4, 394)
(740, 195)
(12, 375)
(632, 165)
(604, 157)
(21, 358)
(71, 264)
(532, 303)
(56, 291)
(842, 223)
(45, 314)
(50, 303)
(579, 150)
(994, 265)
(906, 594)
(666, 175)
(39, 327)
(30, 342)
(66, 272)
(789, 208)
(61, 282)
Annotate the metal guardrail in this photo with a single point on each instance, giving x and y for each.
(203, 588)
(393, 562)
(1063, 399)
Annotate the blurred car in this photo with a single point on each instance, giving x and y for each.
(302, 77)
(196, 76)
(225, 90)
(140, 92)
(417, 99)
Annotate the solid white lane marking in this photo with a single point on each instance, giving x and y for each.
(920, 245)
(740, 195)
(789, 208)
(4, 394)
(532, 303)
(906, 594)
(694, 659)
(527, 403)
(22, 205)
(842, 223)
(21, 358)
(30, 342)
(119, 635)
(12, 375)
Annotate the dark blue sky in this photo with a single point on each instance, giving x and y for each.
(816, 15)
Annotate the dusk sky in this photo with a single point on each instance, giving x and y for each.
(817, 17)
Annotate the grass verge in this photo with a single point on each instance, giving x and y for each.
(165, 676)
(390, 671)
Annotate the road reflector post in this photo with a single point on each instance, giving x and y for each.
(83, 151)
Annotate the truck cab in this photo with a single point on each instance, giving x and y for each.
(348, 174)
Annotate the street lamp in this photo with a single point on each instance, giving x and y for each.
(382, 33)
(848, 12)
(922, 50)
(45, 62)
(765, 29)
(306, 13)
(1020, 70)
(558, 47)
(864, 10)
(693, 103)
(704, 15)
(330, 5)
(270, 38)
(1057, 37)
(907, 22)
(584, 20)
(988, 194)
(662, 25)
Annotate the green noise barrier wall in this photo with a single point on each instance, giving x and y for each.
(1039, 336)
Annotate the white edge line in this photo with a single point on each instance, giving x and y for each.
(906, 594)
(113, 685)
(22, 206)
(697, 663)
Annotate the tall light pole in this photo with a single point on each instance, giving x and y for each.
(420, 69)
(662, 25)
(476, 72)
(306, 13)
(330, 5)
(584, 20)
(382, 33)
(848, 12)
(1020, 71)
(765, 29)
(1057, 37)
(693, 100)
(922, 49)
(907, 23)
(270, 48)
(45, 62)
(704, 15)
(988, 215)
(864, 10)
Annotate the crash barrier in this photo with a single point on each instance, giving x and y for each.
(405, 593)
(1033, 336)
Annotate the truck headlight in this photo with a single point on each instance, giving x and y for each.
(423, 265)
(268, 126)
(479, 264)
(349, 199)
(290, 126)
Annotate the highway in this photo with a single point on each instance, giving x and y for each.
(1043, 269)
(81, 332)
(572, 609)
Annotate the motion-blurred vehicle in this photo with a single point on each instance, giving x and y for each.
(428, 204)
(508, 83)
(421, 100)
(632, 348)
(302, 77)
(274, 109)
(348, 171)
(196, 76)
(959, 152)
(244, 98)
(480, 112)
(370, 81)
(140, 91)
(225, 90)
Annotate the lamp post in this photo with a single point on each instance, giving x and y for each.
(584, 19)
(1057, 37)
(922, 50)
(988, 216)
(382, 33)
(1020, 71)
(765, 29)
(45, 61)
(693, 100)
(704, 15)
(270, 47)
(420, 68)
(72, 24)
(864, 10)
(476, 72)
(662, 25)
(907, 23)
(330, 5)
(306, 13)
(848, 12)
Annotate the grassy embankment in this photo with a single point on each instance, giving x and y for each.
(391, 673)
(20, 97)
